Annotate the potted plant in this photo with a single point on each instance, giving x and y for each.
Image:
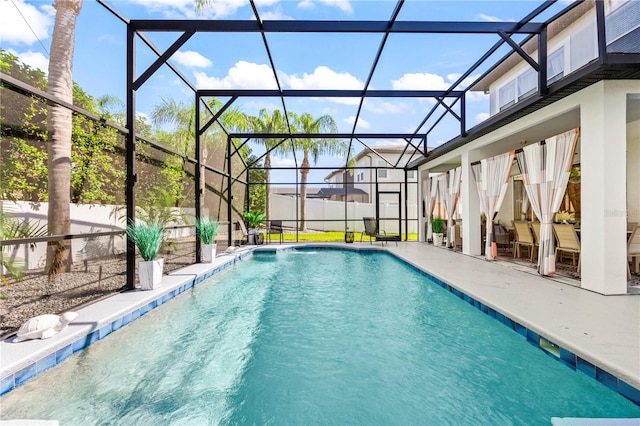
(438, 225)
(147, 238)
(349, 236)
(207, 229)
(253, 220)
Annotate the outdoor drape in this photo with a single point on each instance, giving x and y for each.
(449, 191)
(545, 169)
(492, 180)
(430, 193)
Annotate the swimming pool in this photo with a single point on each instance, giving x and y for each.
(314, 337)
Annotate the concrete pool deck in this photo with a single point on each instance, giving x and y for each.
(602, 330)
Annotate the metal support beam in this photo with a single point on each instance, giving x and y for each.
(229, 196)
(319, 26)
(163, 59)
(198, 181)
(215, 116)
(543, 89)
(321, 93)
(515, 46)
(130, 160)
(601, 32)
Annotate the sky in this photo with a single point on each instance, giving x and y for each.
(302, 61)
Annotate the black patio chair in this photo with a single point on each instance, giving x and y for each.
(371, 230)
(275, 227)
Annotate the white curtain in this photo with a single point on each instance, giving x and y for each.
(492, 180)
(449, 191)
(430, 193)
(545, 169)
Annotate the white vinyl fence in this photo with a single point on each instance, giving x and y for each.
(85, 218)
(322, 213)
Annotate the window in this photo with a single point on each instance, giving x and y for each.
(411, 174)
(555, 65)
(527, 84)
(507, 95)
(382, 173)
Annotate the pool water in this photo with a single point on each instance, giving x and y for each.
(306, 337)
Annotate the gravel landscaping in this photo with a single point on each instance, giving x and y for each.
(87, 283)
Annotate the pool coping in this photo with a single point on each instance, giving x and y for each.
(25, 361)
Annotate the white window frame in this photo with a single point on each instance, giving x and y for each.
(382, 173)
(512, 102)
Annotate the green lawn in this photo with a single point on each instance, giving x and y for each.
(327, 237)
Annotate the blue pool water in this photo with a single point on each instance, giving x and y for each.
(304, 337)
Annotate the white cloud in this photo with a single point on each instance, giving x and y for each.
(243, 75)
(324, 78)
(480, 117)
(35, 60)
(383, 107)
(362, 124)
(343, 5)
(189, 58)
(488, 18)
(420, 81)
(15, 29)
(282, 162)
(276, 14)
(187, 9)
(306, 4)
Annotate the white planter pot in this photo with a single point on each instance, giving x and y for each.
(437, 239)
(208, 254)
(150, 274)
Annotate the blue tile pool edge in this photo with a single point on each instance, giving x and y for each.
(49, 359)
(568, 358)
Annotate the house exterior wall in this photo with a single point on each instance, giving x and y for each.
(605, 140)
(633, 171)
(579, 44)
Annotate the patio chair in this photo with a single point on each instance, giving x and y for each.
(275, 227)
(371, 230)
(633, 251)
(567, 241)
(240, 235)
(524, 238)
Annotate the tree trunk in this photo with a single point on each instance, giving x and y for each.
(267, 180)
(60, 124)
(303, 192)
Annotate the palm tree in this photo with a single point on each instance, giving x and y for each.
(182, 116)
(265, 123)
(60, 125)
(306, 123)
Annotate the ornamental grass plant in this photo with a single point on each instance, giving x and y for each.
(147, 237)
(208, 229)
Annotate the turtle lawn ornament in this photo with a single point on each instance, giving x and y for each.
(44, 326)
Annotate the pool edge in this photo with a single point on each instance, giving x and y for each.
(54, 352)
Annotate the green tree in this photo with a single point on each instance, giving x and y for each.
(269, 122)
(257, 189)
(315, 147)
(182, 138)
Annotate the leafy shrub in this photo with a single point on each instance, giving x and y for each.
(208, 229)
(147, 237)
